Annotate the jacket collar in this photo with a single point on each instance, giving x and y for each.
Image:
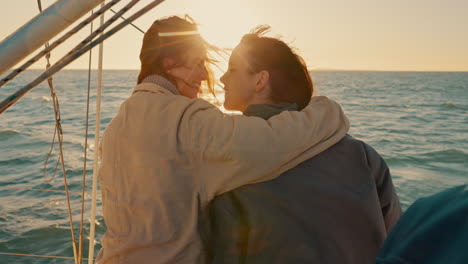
(152, 88)
(159, 81)
(266, 111)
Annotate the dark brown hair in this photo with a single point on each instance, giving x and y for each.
(289, 78)
(156, 48)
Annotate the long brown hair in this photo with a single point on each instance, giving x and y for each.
(289, 78)
(157, 46)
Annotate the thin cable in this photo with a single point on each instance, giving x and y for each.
(58, 129)
(98, 31)
(83, 181)
(58, 126)
(139, 29)
(52, 144)
(39, 4)
(64, 172)
(96, 152)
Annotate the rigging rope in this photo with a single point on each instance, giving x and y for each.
(59, 132)
(52, 144)
(96, 152)
(133, 25)
(83, 181)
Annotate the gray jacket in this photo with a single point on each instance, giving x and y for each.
(334, 208)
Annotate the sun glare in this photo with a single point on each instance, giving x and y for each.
(225, 27)
(222, 35)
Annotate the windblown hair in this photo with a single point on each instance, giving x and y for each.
(157, 46)
(289, 78)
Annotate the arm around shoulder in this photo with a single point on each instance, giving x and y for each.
(239, 150)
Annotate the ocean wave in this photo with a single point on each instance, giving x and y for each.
(42, 98)
(18, 161)
(414, 118)
(450, 156)
(57, 241)
(444, 105)
(455, 106)
(410, 189)
(449, 104)
(9, 132)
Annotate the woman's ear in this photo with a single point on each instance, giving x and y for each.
(262, 80)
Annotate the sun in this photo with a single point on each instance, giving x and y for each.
(226, 35)
(220, 23)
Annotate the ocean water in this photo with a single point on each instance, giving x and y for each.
(417, 121)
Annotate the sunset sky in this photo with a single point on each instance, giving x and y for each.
(398, 35)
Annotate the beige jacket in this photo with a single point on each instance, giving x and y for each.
(164, 157)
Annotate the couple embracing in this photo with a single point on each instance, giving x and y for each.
(183, 182)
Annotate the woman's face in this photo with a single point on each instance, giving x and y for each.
(239, 81)
(190, 75)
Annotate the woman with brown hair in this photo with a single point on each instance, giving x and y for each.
(173, 49)
(167, 154)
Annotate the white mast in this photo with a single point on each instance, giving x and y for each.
(41, 29)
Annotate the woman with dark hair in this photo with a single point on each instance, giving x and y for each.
(167, 154)
(287, 75)
(316, 211)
